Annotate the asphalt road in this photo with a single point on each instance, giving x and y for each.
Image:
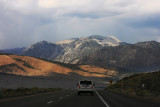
(69, 98)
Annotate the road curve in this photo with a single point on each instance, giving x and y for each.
(69, 98)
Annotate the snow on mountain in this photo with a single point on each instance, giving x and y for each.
(110, 40)
(142, 56)
(77, 49)
(70, 50)
(148, 44)
(83, 46)
(65, 42)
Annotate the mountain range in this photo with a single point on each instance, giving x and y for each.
(140, 56)
(66, 51)
(78, 48)
(97, 50)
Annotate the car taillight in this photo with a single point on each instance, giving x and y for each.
(78, 85)
(91, 86)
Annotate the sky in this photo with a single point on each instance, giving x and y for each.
(24, 22)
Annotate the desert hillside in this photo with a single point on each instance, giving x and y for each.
(29, 66)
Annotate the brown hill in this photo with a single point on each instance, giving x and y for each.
(29, 66)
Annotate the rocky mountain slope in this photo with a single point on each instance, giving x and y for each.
(43, 49)
(142, 56)
(81, 47)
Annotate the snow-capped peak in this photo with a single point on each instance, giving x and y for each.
(110, 40)
(68, 41)
(114, 38)
(96, 37)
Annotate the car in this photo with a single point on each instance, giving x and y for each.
(85, 86)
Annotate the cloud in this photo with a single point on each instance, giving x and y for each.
(93, 15)
(158, 39)
(61, 3)
(151, 21)
(23, 22)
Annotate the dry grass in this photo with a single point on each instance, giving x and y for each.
(37, 67)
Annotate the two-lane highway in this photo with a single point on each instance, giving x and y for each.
(69, 98)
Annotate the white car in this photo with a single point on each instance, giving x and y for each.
(85, 86)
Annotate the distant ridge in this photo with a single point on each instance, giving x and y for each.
(97, 50)
(43, 49)
(80, 47)
(142, 56)
(70, 50)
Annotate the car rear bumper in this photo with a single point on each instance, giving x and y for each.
(85, 90)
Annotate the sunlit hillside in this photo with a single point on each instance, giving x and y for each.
(29, 66)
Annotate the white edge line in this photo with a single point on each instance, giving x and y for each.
(102, 99)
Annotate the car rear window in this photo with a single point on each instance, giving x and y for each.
(86, 82)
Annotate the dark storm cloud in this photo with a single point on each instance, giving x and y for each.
(152, 21)
(23, 22)
(18, 29)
